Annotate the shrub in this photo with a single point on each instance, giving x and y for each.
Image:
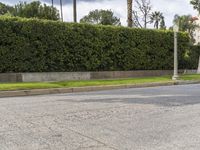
(32, 45)
(192, 57)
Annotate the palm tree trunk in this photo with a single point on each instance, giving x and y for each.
(130, 13)
(61, 11)
(157, 24)
(75, 11)
(198, 70)
(52, 8)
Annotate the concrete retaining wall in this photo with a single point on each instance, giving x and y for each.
(128, 74)
(61, 76)
(10, 77)
(54, 76)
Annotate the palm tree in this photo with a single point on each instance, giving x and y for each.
(196, 5)
(183, 22)
(156, 18)
(162, 23)
(75, 11)
(61, 11)
(52, 3)
(186, 23)
(130, 12)
(52, 6)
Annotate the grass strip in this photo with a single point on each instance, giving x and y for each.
(82, 83)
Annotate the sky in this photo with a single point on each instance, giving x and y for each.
(168, 7)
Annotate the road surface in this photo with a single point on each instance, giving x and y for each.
(158, 118)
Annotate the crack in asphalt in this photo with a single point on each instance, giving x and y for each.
(92, 138)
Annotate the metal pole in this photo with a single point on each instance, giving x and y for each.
(75, 11)
(175, 76)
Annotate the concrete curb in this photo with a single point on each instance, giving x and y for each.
(87, 89)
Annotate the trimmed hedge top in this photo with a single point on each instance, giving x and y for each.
(32, 45)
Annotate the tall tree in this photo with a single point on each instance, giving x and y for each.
(156, 18)
(4, 9)
(162, 23)
(196, 4)
(186, 24)
(61, 10)
(75, 10)
(104, 17)
(52, 3)
(130, 13)
(142, 13)
(35, 10)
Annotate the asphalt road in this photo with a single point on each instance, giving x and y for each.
(159, 118)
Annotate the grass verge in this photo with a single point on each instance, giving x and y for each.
(191, 77)
(68, 84)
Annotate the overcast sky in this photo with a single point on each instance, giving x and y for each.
(168, 7)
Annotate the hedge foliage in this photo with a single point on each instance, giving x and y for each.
(31, 45)
(192, 57)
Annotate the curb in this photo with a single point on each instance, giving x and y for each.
(88, 89)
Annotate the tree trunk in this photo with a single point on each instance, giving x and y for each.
(130, 13)
(52, 8)
(157, 24)
(145, 19)
(198, 70)
(52, 3)
(75, 11)
(145, 23)
(61, 11)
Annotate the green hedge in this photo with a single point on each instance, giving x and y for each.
(31, 45)
(192, 57)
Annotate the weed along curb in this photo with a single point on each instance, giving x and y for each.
(87, 89)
